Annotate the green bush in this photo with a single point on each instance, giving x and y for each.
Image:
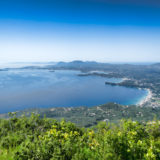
(34, 138)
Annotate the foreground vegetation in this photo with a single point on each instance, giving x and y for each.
(35, 138)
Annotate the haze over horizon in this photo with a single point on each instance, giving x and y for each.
(93, 30)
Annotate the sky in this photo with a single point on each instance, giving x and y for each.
(66, 30)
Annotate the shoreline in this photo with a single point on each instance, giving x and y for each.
(145, 99)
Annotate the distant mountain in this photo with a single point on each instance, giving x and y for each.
(156, 64)
(76, 63)
(91, 65)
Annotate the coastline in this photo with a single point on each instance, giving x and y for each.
(146, 98)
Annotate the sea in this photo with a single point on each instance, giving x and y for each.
(32, 88)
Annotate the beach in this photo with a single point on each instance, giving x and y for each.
(146, 99)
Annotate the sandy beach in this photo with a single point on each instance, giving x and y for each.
(146, 99)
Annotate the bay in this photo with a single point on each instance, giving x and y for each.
(30, 88)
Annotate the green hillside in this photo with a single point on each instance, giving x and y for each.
(90, 116)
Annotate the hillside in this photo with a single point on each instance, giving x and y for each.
(86, 117)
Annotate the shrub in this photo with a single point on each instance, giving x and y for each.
(45, 139)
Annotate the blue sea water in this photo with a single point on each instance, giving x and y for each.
(30, 88)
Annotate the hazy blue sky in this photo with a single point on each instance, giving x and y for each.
(102, 30)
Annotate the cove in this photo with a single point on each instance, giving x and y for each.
(31, 88)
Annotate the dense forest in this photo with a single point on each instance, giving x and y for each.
(35, 138)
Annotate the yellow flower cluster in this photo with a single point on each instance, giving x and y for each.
(62, 134)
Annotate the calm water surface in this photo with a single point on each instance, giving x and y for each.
(21, 89)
